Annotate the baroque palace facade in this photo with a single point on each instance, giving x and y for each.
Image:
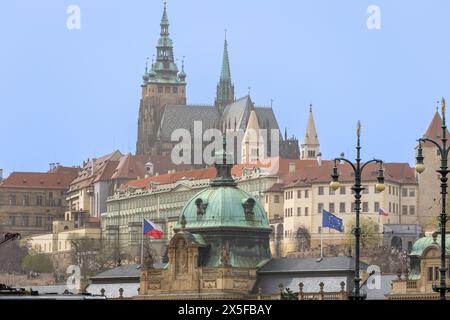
(164, 109)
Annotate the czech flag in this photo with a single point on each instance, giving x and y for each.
(381, 212)
(152, 230)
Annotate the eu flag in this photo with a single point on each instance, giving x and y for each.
(329, 220)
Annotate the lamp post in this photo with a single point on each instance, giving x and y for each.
(357, 188)
(443, 150)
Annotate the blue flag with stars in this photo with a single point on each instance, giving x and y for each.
(329, 220)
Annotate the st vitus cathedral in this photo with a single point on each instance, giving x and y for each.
(164, 108)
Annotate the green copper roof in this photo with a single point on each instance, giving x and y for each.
(223, 207)
(223, 204)
(226, 73)
(424, 242)
(165, 19)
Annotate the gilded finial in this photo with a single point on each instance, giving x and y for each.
(443, 106)
(358, 128)
(310, 107)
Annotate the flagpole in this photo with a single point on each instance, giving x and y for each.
(142, 244)
(321, 242)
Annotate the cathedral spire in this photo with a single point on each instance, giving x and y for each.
(226, 73)
(225, 88)
(165, 66)
(310, 147)
(165, 22)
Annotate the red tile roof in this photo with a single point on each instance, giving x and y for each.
(57, 179)
(394, 172)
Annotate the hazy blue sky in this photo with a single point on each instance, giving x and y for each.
(69, 95)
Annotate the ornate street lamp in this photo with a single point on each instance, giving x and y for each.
(357, 188)
(443, 150)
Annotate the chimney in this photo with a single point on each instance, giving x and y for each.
(292, 167)
(94, 160)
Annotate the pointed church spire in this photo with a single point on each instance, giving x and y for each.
(165, 22)
(165, 66)
(310, 147)
(226, 73)
(225, 88)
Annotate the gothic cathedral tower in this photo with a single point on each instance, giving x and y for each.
(163, 84)
(225, 88)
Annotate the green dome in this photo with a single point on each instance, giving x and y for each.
(421, 244)
(224, 206)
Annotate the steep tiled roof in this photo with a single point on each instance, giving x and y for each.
(90, 172)
(434, 130)
(394, 172)
(59, 178)
(183, 117)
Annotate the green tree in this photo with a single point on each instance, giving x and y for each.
(38, 263)
(370, 233)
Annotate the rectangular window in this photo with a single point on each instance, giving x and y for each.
(276, 199)
(12, 221)
(353, 207)
(342, 207)
(331, 207)
(174, 89)
(167, 89)
(319, 207)
(25, 221)
(267, 199)
(412, 210)
(306, 211)
(412, 193)
(404, 192)
(306, 194)
(389, 189)
(365, 207)
(12, 200)
(331, 192)
(160, 89)
(321, 191)
(299, 194)
(39, 200)
(26, 200)
(299, 211)
(390, 207)
(376, 206)
(404, 210)
(50, 195)
(342, 190)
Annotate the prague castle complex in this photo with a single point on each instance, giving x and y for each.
(164, 108)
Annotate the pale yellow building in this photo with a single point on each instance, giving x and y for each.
(295, 206)
(58, 244)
